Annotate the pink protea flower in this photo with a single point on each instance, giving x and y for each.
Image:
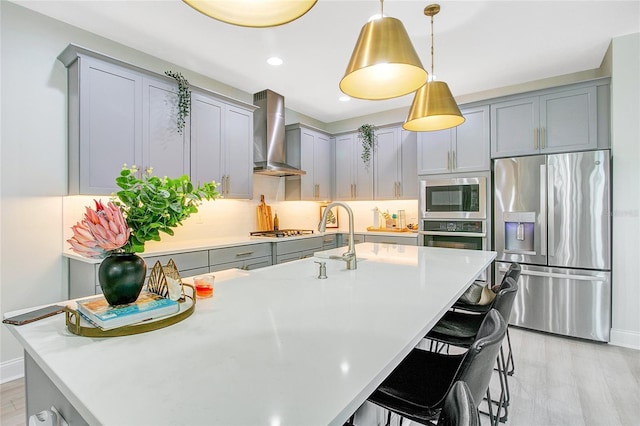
(102, 230)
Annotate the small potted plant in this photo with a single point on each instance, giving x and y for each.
(367, 136)
(139, 212)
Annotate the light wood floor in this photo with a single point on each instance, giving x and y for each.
(558, 381)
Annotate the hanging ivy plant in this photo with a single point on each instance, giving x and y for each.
(184, 98)
(367, 134)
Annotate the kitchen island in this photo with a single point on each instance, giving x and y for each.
(274, 346)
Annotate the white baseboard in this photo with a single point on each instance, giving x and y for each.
(11, 370)
(625, 338)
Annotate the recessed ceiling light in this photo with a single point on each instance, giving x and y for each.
(344, 98)
(275, 61)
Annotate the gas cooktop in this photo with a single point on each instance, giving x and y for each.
(281, 233)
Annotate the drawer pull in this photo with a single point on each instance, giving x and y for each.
(327, 240)
(388, 242)
(246, 253)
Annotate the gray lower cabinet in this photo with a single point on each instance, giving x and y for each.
(391, 239)
(43, 394)
(329, 241)
(189, 264)
(343, 239)
(245, 257)
(83, 276)
(287, 251)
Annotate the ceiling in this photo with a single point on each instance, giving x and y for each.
(479, 45)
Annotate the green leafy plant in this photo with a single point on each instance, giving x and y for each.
(152, 205)
(184, 98)
(367, 135)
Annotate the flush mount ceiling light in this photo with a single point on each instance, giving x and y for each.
(275, 61)
(253, 13)
(384, 63)
(433, 106)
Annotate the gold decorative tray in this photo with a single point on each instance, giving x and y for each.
(157, 284)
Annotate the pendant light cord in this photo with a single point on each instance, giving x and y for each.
(432, 74)
(381, 8)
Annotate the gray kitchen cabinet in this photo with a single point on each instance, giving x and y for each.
(43, 394)
(308, 149)
(395, 167)
(249, 256)
(163, 148)
(343, 239)
(83, 276)
(409, 240)
(464, 148)
(222, 144)
(329, 241)
(295, 249)
(189, 264)
(353, 178)
(119, 115)
(570, 118)
(105, 123)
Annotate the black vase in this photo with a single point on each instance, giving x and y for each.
(121, 277)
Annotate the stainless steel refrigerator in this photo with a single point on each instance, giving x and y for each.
(552, 215)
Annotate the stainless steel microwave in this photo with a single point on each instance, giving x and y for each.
(454, 198)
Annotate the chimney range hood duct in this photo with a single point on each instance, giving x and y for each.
(269, 150)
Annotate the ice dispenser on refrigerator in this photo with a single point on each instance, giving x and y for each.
(519, 232)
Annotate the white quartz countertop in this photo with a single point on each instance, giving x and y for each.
(274, 346)
(167, 246)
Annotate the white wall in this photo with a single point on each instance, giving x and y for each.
(625, 137)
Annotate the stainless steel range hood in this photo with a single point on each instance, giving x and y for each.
(269, 149)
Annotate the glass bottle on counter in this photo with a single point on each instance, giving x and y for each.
(276, 222)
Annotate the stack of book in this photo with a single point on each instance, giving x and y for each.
(148, 306)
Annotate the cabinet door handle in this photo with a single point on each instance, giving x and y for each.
(355, 190)
(454, 163)
(244, 253)
(399, 189)
(448, 160)
(228, 184)
(535, 138)
(543, 135)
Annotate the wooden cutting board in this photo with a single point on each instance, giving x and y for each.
(265, 221)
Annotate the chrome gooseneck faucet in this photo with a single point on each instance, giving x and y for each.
(350, 255)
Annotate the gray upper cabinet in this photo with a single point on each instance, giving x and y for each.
(163, 148)
(310, 150)
(354, 179)
(222, 145)
(105, 124)
(464, 148)
(121, 114)
(571, 118)
(395, 173)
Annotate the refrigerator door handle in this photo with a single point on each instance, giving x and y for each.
(558, 275)
(552, 212)
(543, 210)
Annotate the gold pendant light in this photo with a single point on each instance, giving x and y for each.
(253, 13)
(384, 63)
(433, 106)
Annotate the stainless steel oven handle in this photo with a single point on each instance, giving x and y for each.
(454, 234)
